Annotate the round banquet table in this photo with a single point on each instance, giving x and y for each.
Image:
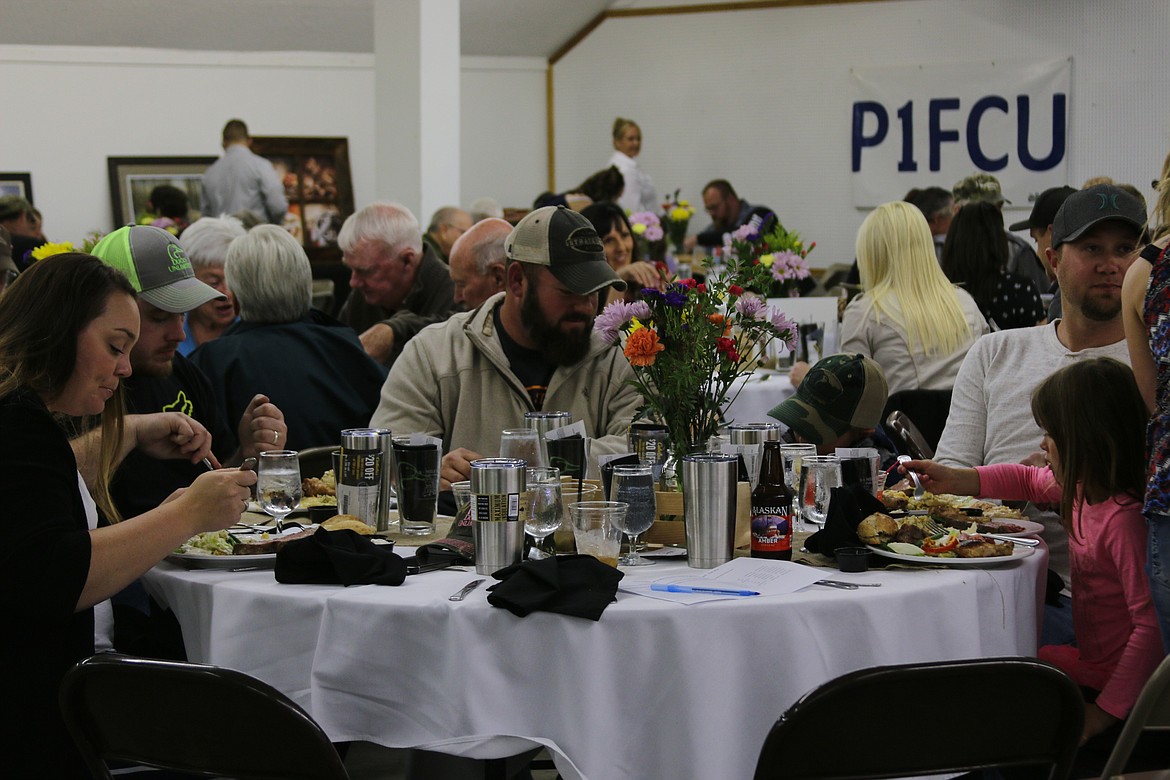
(653, 689)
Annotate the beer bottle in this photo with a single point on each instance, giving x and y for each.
(772, 508)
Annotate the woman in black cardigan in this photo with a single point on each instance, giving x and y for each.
(66, 329)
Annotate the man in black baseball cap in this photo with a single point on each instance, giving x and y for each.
(1039, 226)
(528, 348)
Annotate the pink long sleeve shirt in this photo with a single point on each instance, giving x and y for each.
(1118, 644)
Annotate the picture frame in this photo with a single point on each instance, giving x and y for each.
(316, 176)
(132, 179)
(19, 184)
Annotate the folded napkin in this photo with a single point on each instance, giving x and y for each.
(344, 557)
(848, 506)
(575, 585)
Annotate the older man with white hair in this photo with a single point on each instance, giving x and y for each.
(310, 365)
(477, 262)
(206, 242)
(397, 287)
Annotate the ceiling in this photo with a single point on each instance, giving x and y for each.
(531, 28)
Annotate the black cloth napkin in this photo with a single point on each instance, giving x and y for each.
(338, 557)
(848, 506)
(575, 585)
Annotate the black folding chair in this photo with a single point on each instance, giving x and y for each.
(928, 409)
(315, 461)
(205, 720)
(915, 719)
(1151, 712)
(907, 438)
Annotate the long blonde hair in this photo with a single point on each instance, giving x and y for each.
(1159, 222)
(903, 281)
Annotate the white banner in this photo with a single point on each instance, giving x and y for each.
(934, 124)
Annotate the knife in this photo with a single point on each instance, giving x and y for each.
(462, 593)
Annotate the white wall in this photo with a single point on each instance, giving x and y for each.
(69, 108)
(761, 97)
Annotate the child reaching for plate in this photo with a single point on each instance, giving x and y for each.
(1094, 422)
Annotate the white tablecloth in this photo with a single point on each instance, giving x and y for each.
(654, 689)
(758, 393)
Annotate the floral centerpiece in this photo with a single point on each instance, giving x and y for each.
(50, 248)
(676, 216)
(647, 229)
(689, 342)
(780, 251)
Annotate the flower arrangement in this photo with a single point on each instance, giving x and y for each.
(689, 342)
(50, 248)
(676, 216)
(780, 251)
(647, 230)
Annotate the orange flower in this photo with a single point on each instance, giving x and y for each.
(716, 319)
(642, 347)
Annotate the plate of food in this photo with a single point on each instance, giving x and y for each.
(227, 550)
(910, 541)
(980, 524)
(950, 504)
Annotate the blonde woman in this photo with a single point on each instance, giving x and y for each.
(910, 319)
(639, 194)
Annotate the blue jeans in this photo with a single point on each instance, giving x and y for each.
(1158, 567)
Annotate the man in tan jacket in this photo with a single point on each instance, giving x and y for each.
(529, 348)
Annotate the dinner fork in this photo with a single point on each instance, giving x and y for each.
(935, 528)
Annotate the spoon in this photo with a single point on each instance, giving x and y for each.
(919, 491)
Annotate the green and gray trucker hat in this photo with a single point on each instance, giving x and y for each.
(157, 266)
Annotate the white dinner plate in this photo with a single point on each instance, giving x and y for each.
(204, 561)
(1031, 527)
(1018, 551)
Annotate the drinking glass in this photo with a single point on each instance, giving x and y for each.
(819, 474)
(575, 490)
(523, 444)
(544, 505)
(634, 485)
(790, 455)
(278, 484)
(596, 529)
(462, 493)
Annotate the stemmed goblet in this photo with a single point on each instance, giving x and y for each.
(634, 485)
(278, 484)
(544, 505)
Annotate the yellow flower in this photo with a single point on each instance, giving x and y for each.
(767, 260)
(50, 249)
(684, 203)
(638, 228)
(635, 324)
(680, 214)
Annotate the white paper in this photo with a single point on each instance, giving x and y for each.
(767, 577)
(565, 431)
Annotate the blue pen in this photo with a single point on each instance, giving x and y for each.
(691, 589)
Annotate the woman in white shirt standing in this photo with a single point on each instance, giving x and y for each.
(911, 320)
(639, 194)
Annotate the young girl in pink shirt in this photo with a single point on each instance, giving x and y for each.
(1094, 421)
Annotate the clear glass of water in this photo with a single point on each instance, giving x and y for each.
(544, 505)
(634, 485)
(790, 455)
(524, 444)
(278, 484)
(819, 474)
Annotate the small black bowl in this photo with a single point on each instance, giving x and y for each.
(319, 514)
(852, 558)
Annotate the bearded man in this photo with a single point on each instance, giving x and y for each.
(528, 348)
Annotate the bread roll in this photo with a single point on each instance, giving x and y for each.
(342, 522)
(877, 529)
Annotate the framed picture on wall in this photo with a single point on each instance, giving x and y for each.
(317, 183)
(132, 179)
(19, 184)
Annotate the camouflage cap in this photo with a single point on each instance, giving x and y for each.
(979, 187)
(838, 393)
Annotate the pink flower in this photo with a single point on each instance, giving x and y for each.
(751, 308)
(783, 325)
(611, 319)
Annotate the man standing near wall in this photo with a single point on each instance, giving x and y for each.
(242, 180)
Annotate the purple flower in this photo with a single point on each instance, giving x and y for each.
(783, 324)
(650, 294)
(611, 319)
(676, 299)
(744, 233)
(653, 233)
(751, 307)
(789, 265)
(641, 311)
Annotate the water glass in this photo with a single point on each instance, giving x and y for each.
(522, 444)
(790, 455)
(573, 490)
(597, 529)
(819, 474)
(634, 485)
(278, 484)
(462, 493)
(543, 508)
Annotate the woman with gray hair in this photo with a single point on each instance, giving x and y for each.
(307, 363)
(206, 242)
